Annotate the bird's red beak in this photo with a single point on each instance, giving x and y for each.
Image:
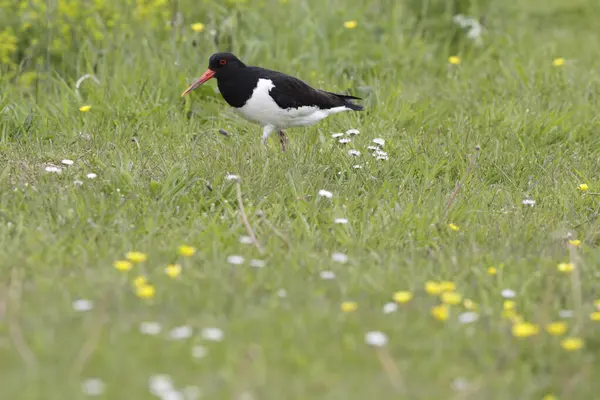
(205, 76)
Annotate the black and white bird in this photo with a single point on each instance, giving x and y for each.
(272, 99)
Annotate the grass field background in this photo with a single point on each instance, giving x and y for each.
(513, 119)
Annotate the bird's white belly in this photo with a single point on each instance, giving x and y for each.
(262, 109)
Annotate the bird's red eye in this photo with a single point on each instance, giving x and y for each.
(222, 62)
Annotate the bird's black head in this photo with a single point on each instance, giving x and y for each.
(219, 65)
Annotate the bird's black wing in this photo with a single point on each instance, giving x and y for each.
(290, 92)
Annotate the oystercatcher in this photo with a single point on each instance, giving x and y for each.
(272, 99)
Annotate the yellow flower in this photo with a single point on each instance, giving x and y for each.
(524, 329)
(454, 60)
(583, 187)
(440, 312)
(454, 227)
(451, 298)
(575, 243)
(139, 281)
(348, 306)
(470, 304)
(145, 291)
(123, 265)
(597, 304)
(447, 286)
(187, 251)
(571, 343)
(403, 297)
(136, 256)
(492, 270)
(595, 316)
(85, 108)
(173, 270)
(350, 24)
(566, 267)
(433, 288)
(509, 305)
(198, 27)
(558, 62)
(509, 314)
(550, 397)
(556, 328)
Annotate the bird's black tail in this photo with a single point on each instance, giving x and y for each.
(346, 99)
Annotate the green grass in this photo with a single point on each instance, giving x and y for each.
(466, 144)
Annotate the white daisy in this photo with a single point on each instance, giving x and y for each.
(91, 175)
(354, 153)
(529, 202)
(257, 263)
(235, 260)
(344, 140)
(337, 135)
(246, 240)
(325, 193)
(339, 257)
(77, 182)
(191, 393)
(199, 351)
(231, 177)
(327, 275)
(566, 313)
(382, 158)
(172, 394)
(67, 162)
(341, 221)
(82, 305)
(380, 153)
(372, 148)
(160, 384)
(212, 334)
(52, 169)
(357, 166)
(508, 293)
(390, 308)
(379, 142)
(150, 328)
(376, 339)
(282, 293)
(180, 332)
(468, 317)
(92, 387)
(352, 132)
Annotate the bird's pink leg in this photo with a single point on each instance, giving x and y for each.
(283, 140)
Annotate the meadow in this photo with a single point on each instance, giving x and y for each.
(151, 247)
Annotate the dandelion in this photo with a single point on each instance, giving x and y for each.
(340, 221)
(180, 332)
(508, 293)
(470, 304)
(389, 308)
(67, 162)
(145, 291)
(82, 305)
(352, 132)
(595, 316)
(583, 187)
(451, 298)
(150, 328)
(136, 256)
(235, 260)
(492, 270)
(173, 270)
(91, 175)
(575, 243)
(454, 227)
(454, 60)
(327, 275)
(556, 328)
(403, 297)
(348, 306)
(92, 387)
(376, 339)
(433, 288)
(354, 153)
(139, 281)
(524, 329)
(350, 24)
(447, 286)
(528, 202)
(572, 343)
(85, 108)
(468, 317)
(186, 251)
(212, 334)
(558, 62)
(337, 135)
(123, 265)
(339, 257)
(379, 142)
(510, 314)
(257, 263)
(549, 396)
(325, 193)
(566, 267)
(440, 312)
(53, 169)
(509, 305)
(198, 27)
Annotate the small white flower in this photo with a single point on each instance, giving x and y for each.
(172, 394)
(327, 275)
(212, 334)
(160, 384)
(77, 182)
(379, 142)
(468, 317)
(566, 313)
(235, 260)
(246, 240)
(325, 193)
(150, 328)
(191, 393)
(337, 135)
(376, 339)
(372, 148)
(341, 221)
(389, 308)
(180, 332)
(529, 202)
(354, 153)
(52, 169)
(91, 175)
(382, 158)
(380, 153)
(67, 162)
(231, 177)
(282, 293)
(357, 166)
(339, 257)
(460, 384)
(199, 351)
(92, 387)
(82, 305)
(344, 140)
(352, 132)
(257, 263)
(508, 293)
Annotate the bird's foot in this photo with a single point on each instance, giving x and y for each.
(283, 140)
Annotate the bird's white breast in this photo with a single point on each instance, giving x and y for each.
(262, 109)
